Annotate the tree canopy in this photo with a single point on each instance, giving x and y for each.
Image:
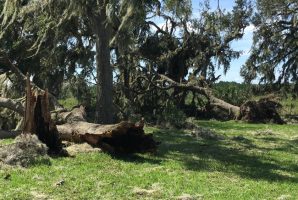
(119, 61)
(273, 57)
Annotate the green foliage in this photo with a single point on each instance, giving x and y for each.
(274, 57)
(232, 92)
(179, 8)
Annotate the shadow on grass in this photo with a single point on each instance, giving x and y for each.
(238, 157)
(136, 158)
(285, 145)
(236, 125)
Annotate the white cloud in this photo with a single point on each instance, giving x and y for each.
(251, 28)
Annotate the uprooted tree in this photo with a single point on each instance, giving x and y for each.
(263, 110)
(124, 137)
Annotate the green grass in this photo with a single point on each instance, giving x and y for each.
(253, 167)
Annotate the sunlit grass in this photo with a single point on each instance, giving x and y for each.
(248, 167)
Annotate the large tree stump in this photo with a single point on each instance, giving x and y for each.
(37, 119)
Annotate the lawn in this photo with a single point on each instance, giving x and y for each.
(245, 165)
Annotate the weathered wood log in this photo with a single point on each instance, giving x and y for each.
(12, 105)
(124, 137)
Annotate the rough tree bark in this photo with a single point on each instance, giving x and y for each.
(37, 119)
(124, 137)
(104, 89)
(12, 105)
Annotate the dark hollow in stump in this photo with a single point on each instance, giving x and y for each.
(38, 120)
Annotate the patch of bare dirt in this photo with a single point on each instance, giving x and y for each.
(263, 132)
(154, 190)
(74, 149)
(189, 197)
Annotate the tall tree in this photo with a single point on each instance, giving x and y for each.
(101, 22)
(274, 53)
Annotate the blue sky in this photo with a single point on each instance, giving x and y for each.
(243, 45)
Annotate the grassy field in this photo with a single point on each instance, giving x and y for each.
(247, 164)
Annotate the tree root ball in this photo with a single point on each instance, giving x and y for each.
(262, 111)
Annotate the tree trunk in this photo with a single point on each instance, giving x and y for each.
(124, 137)
(104, 98)
(37, 119)
(233, 110)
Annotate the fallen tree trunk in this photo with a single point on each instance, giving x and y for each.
(261, 111)
(124, 137)
(12, 105)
